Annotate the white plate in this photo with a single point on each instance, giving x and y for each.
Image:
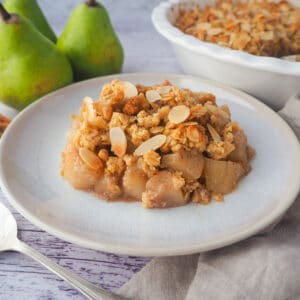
(30, 163)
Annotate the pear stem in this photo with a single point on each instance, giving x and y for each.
(4, 13)
(91, 2)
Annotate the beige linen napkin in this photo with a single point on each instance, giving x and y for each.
(264, 267)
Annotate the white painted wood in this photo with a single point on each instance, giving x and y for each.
(21, 277)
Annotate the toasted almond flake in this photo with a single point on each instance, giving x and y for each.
(88, 103)
(152, 96)
(118, 141)
(88, 106)
(179, 114)
(151, 144)
(203, 26)
(215, 31)
(90, 158)
(165, 89)
(190, 123)
(214, 134)
(167, 97)
(130, 89)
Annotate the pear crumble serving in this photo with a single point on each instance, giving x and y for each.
(161, 145)
(259, 27)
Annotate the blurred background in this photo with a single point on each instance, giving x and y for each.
(132, 21)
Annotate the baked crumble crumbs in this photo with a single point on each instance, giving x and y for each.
(161, 145)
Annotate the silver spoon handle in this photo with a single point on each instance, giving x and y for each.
(88, 289)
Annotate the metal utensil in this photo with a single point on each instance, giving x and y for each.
(10, 241)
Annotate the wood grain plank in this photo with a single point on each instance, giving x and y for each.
(17, 271)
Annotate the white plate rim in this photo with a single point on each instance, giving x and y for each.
(268, 220)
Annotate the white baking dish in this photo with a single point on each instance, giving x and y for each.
(272, 80)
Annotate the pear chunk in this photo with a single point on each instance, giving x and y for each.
(222, 176)
(134, 182)
(190, 163)
(163, 190)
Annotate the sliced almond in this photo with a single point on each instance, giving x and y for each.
(203, 26)
(118, 141)
(88, 105)
(129, 89)
(179, 114)
(214, 134)
(167, 97)
(152, 144)
(152, 96)
(165, 89)
(190, 123)
(90, 158)
(214, 31)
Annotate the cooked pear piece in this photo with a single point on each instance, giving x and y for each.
(76, 172)
(108, 187)
(75, 169)
(31, 10)
(190, 163)
(222, 176)
(90, 42)
(240, 153)
(163, 190)
(134, 182)
(30, 64)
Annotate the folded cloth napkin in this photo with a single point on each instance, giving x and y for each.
(266, 266)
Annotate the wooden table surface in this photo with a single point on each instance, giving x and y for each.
(22, 278)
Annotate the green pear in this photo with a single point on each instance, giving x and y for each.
(30, 64)
(90, 42)
(31, 10)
